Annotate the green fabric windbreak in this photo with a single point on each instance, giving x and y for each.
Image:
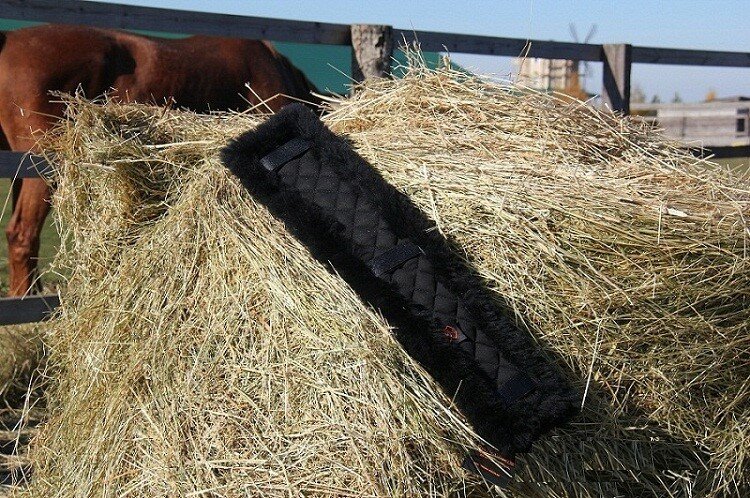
(12, 24)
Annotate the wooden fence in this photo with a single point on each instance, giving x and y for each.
(17, 310)
(372, 47)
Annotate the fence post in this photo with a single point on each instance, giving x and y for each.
(372, 49)
(617, 59)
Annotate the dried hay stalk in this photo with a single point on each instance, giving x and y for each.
(202, 352)
(21, 354)
(21, 403)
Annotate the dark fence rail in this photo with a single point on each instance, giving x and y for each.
(491, 45)
(109, 15)
(616, 58)
(685, 57)
(21, 165)
(17, 310)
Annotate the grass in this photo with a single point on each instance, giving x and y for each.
(50, 239)
(738, 164)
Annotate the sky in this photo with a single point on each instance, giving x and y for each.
(709, 25)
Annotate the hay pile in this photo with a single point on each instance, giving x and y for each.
(201, 351)
(21, 354)
(623, 253)
(21, 403)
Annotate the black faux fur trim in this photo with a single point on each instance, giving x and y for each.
(510, 429)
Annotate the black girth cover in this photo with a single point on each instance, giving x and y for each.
(389, 252)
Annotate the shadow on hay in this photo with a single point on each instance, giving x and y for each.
(647, 459)
(617, 450)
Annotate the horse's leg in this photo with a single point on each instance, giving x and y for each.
(23, 232)
(31, 204)
(15, 190)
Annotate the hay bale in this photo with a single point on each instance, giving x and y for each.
(201, 350)
(620, 250)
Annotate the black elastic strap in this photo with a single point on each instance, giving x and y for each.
(394, 257)
(290, 150)
(516, 388)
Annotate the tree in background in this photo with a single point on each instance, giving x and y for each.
(676, 99)
(711, 95)
(637, 95)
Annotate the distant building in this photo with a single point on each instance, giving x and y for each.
(547, 74)
(719, 123)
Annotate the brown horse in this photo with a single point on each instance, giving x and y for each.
(198, 73)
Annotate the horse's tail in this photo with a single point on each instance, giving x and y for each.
(2, 40)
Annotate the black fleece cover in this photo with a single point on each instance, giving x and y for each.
(350, 218)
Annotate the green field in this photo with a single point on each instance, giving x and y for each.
(739, 164)
(51, 240)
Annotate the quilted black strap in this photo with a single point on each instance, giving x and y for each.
(277, 158)
(394, 257)
(352, 219)
(516, 387)
(510, 389)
